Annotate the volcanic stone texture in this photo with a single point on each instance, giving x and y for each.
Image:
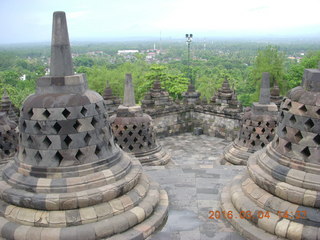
(8, 138)
(257, 129)
(191, 96)
(133, 131)
(69, 179)
(283, 179)
(112, 102)
(7, 107)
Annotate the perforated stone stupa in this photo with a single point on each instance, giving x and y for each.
(112, 102)
(70, 180)
(8, 138)
(257, 129)
(275, 95)
(157, 99)
(191, 96)
(283, 179)
(225, 102)
(133, 130)
(7, 107)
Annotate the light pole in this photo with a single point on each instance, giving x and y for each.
(188, 42)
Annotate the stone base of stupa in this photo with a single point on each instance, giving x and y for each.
(154, 157)
(132, 207)
(236, 154)
(260, 214)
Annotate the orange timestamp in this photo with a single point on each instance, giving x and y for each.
(239, 215)
(291, 215)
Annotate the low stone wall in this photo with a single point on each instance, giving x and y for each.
(217, 126)
(173, 123)
(168, 123)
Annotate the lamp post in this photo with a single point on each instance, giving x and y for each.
(188, 42)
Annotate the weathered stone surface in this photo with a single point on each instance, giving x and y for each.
(191, 96)
(257, 128)
(8, 138)
(69, 179)
(7, 107)
(285, 173)
(112, 102)
(133, 131)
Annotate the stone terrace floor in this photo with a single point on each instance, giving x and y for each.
(193, 181)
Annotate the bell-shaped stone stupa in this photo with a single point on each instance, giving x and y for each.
(8, 138)
(257, 130)
(133, 130)
(7, 107)
(279, 196)
(69, 179)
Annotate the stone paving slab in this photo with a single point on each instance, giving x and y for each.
(193, 181)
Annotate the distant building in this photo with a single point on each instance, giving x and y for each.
(127, 52)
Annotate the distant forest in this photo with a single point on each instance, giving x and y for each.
(242, 63)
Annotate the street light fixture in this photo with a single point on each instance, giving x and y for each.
(188, 42)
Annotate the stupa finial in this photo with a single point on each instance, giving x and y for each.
(61, 61)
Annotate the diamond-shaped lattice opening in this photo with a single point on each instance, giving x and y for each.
(46, 113)
(140, 132)
(259, 123)
(288, 146)
(120, 133)
(292, 119)
(258, 136)
(125, 140)
(87, 138)
(97, 108)
(116, 126)
(58, 157)
(149, 144)
(253, 143)
(289, 104)
(115, 139)
(267, 124)
(130, 133)
(309, 124)
(125, 127)
(76, 125)
(67, 140)
(47, 142)
(24, 153)
(134, 127)
(79, 155)
(97, 151)
(318, 111)
(30, 113)
(263, 130)
(316, 139)
(94, 121)
(135, 140)
(303, 108)
(140, 146)
(282, 115)
(277, 141)
(144, 138)
(262, 144)
(254, 129)
(306, 152)
(244, 141)
(83, 111)
(130, 147)
(298, 136)
(66, 113)
(268, 137)
(284, 130)
(38, 157)
(29, 140)
(37, 126)
(109, 145)
(57, 127)
(24, 125)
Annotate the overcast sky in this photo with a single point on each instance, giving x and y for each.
(30, 20)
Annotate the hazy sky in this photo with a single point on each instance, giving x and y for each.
(30, 20)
